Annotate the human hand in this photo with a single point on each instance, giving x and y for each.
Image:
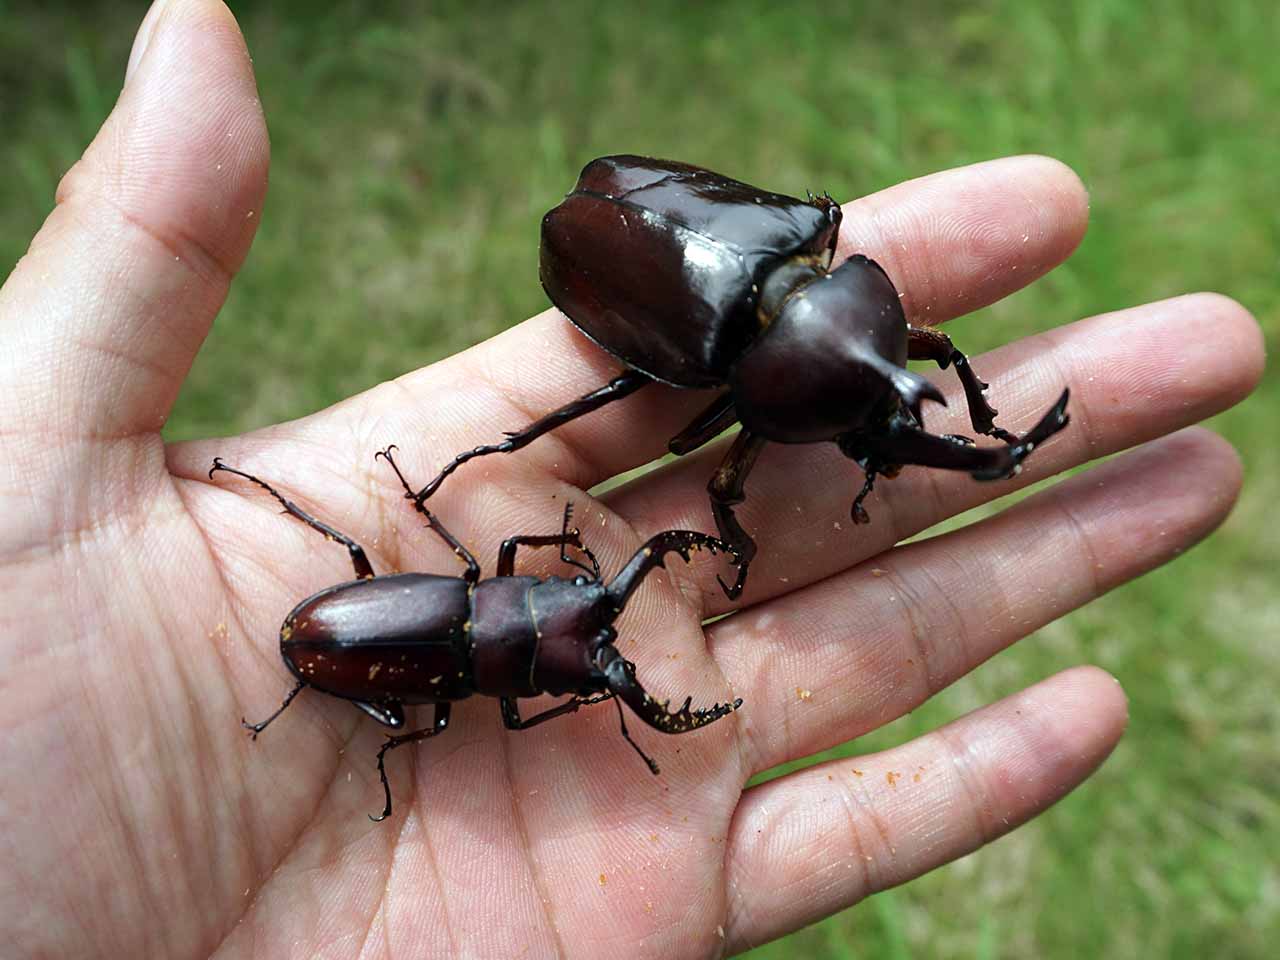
(141, 602)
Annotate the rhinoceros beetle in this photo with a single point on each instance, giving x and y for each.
(384, 641)
(696, 280)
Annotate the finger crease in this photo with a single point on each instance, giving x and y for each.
(969, 781)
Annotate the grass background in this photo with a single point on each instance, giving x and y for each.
(414, 152)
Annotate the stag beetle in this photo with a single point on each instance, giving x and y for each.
(407, 638)
(696, 280)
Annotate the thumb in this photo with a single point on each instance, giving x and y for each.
(103, 317)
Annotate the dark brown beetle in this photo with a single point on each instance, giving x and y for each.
(696, 280)
(408, 638)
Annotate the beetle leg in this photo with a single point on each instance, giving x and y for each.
(472, 575)
(925, 343)
(256, 728)
(858, 513)
(617, 388)
(564, 539)
(902, 443)
(727, 489)
(511, 711)
(718, 416)
(438, 725)
(565, 532)
(364, 571)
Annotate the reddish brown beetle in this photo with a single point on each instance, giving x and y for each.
(697, 280)
(417, 638)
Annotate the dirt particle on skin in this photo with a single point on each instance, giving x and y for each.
(857, 772)
(603, 879)
(803, 694)
(892, 778)
(878, 572)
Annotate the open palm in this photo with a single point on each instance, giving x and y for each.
(140, 601)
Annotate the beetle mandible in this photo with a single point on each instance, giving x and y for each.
(384, 641)
(697, 280)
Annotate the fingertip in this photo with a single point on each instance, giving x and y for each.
(168, 195)
(960, 239)
(1068, 190)
(1053, 735)
(1093, 699)
(1215, 461)
(185, 151)
(1238, 335)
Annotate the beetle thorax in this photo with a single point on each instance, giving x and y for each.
(786, 279)
(820, 369)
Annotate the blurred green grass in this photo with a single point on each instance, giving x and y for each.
(414, 152)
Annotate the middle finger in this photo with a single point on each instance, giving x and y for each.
(1134, 375)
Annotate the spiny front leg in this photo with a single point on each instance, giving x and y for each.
(727, 489)
(925, 343)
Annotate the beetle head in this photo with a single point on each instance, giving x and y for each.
(573, 620)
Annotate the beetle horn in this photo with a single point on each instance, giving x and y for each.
(911, 387)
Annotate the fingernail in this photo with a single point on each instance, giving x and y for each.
(143, 39)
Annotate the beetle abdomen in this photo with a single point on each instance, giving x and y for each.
(660, 263)
(396, 637)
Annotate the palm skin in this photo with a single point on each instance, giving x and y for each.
(141, 601)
